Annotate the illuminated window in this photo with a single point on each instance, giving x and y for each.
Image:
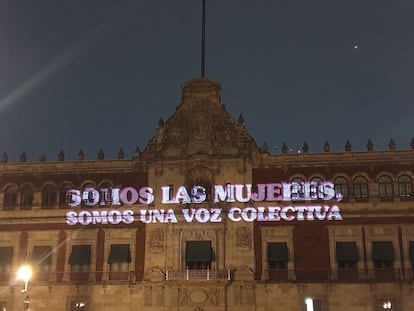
(26, 197)
(49, 196)
(360, 188)
(386, 305)
(312, 304)
(79, 304)
(386, 191)
(198, 255)
(346, 255)
(277, 255)
(341, 186)
(10, 198)
(405, 187)
(383, 254)
(6, 262)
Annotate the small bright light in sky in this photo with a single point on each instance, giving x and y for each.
(356, 46)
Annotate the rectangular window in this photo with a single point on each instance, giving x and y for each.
(198, 255)
(80, 260)
(383, 254)
(346, 255)
(312, 304)
(412, 252)
(383, 257)
(277, 259)
(277, 255)
(6, 262)
(41, 261)
(119, 260)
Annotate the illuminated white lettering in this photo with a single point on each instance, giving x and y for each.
(260, 195)
(224, 195)
(128, 196)
(285, 216)
(115, 196)
(85, 218)
(114, 217)
(73, 197)
(274, 192)
(320, 211)
(334, 213)
(170, 217)
(202, 215)
(300, 210)
(215, 215)
(146, 195)
(166, 195)
(232, 215)
(274, 213)
(100, 217)
(249, 214)
(128, 217)
(198, 194)
(189, 217)
(239, 193)
(71, 218)
(182, 196)
(90, 197)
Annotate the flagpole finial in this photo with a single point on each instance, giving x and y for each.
(203, 39)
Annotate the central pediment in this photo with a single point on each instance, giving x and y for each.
(200, 125)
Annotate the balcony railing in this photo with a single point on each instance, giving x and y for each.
(339, 275)
(205, 274)
(91, 277)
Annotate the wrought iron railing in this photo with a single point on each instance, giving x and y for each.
(338, 275)
(204, 274)
(90, 277)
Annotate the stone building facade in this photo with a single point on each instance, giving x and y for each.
(177, 227)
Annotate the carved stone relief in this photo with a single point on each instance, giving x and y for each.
(156, 243)
(243, 239)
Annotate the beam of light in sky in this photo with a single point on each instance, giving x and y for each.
(53, 67)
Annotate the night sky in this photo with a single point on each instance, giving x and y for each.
(89, 74)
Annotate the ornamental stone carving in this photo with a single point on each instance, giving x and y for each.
(156, 243)
(243, 239)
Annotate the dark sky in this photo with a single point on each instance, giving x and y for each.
(89, 74)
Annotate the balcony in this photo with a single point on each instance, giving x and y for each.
(338, 276)
(95, 277)
(205, 274)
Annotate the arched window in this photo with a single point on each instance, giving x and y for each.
(62, 195)
(316, 191)
(360, 188)
(385, 188)
(297, 189)
(405, 187)
(10, 198)
(26, 197)
(49, 196)
(341, 187)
